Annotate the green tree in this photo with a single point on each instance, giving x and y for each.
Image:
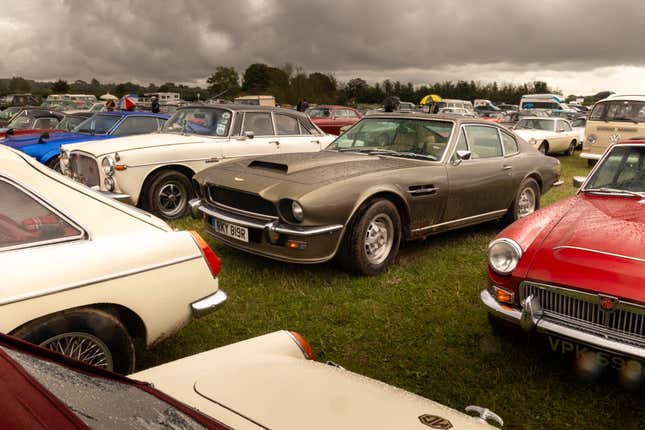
(60, 86)
(19, 84)
(257, 78)
(226, 81)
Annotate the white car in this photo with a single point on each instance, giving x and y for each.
(154, 171)
(268, 382)
(548, 135)
(85, 275)
(579, 124)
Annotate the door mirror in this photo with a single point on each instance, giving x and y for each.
(578, 181)
(561, 130)
(463, 155)
(249, 134)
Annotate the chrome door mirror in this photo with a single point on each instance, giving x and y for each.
(463, 155)
(578, 181)
(561, 130)
(249, 134)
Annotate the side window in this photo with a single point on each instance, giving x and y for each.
(45, 123)
(484, 141)
(351, 114)
(307, 126)
(24, 220)
(510, 144)
(563, 125)
(340, 113)
(259, 123)
(286, 125)
(136, 125)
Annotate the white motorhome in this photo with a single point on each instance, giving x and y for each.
(256, 100)
(542, 101)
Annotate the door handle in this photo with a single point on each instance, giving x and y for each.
(507, 167)
(315, 141)
(274, 142)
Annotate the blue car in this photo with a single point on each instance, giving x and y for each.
(104, 125)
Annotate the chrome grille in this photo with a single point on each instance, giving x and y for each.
(84, 169)
(625, 322)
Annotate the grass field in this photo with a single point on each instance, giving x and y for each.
(418, 326)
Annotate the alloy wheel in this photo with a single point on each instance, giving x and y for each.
(379, 238)
(172, 199)
(526, 203)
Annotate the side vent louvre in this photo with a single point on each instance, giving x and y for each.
(257, 164)
(422, 190)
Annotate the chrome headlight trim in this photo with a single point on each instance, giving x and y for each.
(297, 211)
(108, 165)
(504, 245)
(109, 183)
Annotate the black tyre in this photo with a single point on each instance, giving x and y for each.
(526, 201)
(572, 148)
(371, 242)
(544, 147)
(167, 194)
(54, 164)
(89, 335)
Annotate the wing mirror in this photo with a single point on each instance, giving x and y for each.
(249, 134)
(463, 155)
(561, 130)
(43, 137)
(578, 181)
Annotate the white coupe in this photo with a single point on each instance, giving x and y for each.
(548, 135)
(154, 171)
(84, 275)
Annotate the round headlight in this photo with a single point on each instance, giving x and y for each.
(108, 183)
(503, 255)
(108, 166)
(297, 211)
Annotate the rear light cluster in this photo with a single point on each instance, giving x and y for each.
(207, 252)
(304, 346)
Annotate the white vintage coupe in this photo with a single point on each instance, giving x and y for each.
(154, 171)
(548, 135)
(84, 275)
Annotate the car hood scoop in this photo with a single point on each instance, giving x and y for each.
(598, 245)
(294, 393)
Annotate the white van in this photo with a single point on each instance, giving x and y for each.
(456, 103)
(541, 101)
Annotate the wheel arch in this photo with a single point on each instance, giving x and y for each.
(185, 170)
(535, 176)
(388, 194)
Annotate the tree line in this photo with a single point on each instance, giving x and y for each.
(289, 84)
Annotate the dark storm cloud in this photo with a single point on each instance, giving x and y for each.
(185, 40)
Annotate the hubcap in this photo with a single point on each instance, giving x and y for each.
(81, 346)
(172, 199)
(379, 238)
(526, 204)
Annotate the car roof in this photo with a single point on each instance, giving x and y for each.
(243, 107)
(436, 117)
(331, 107)
(132, 113)
(625, 97)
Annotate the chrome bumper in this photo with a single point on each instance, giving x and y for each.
(110, 194)
(558, 183)
(209, 303)
(273, 226)
(590, 156)
(529, 318)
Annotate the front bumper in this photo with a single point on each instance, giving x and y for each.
(208, 304)
(116, 196)
(590, 156)
(321, 241)
(528, 321)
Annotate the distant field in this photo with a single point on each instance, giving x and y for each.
(419, 326)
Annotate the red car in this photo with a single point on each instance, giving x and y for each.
(575, 270)
(330, 118)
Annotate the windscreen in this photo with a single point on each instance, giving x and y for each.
(199, 120)
(622, 169)
(97, 124)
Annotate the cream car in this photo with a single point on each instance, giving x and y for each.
(85, 275)
(268, 382)
(548, 135)
(153, 171)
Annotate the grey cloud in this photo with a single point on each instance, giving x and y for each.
(185, 40)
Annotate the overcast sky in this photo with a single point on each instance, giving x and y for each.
(579, 46)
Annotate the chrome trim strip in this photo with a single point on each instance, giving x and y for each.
(544, 326)
(50, 291)
(274, 226)
(207, 304)
(595, 251)
(154, 163)
(487, 214)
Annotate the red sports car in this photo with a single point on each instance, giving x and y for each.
(330, 118)
(575, 270)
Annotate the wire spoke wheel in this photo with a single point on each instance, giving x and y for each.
(82, 346)
(379, 238)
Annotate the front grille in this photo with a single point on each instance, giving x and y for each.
(625, 322)
(84, 169)
(241, 200)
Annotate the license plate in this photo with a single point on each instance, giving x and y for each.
(595, 358)
(231, 230)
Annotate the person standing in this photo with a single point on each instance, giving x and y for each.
(155, 104)
(110, 105)
(304, 105)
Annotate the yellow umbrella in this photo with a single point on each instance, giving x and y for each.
(430, 98)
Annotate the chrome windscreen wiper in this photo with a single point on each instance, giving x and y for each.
(402, 154)
(606, 190)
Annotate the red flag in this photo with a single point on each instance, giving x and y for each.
(128, 104)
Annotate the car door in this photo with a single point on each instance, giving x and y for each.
(292, 137)
(482, 185)
(253, 134)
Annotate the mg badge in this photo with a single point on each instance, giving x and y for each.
(607, 303)
(435, 422)
(614, 138)
(238, 179)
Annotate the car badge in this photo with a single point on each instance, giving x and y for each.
(435, 422)
(607, 303)
(238, 179)
(614, 138)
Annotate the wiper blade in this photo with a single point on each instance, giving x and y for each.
(402, 154)
(606, 190)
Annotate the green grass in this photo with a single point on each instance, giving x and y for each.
(418, 326)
